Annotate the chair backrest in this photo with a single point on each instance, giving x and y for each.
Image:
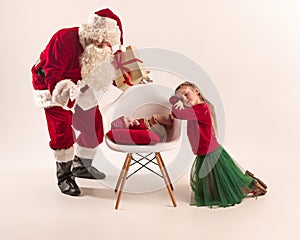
(136, 97)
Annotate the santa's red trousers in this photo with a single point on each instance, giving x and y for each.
(88, 123)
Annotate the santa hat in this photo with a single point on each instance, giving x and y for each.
(103, 25)
(107, 13)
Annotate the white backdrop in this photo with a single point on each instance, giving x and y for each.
(250, 49)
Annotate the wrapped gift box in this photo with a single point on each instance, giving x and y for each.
(130, 69)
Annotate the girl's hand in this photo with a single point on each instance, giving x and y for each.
(179, 105)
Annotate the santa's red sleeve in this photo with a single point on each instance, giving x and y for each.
(59, 55)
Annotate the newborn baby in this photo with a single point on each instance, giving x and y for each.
(159, 124)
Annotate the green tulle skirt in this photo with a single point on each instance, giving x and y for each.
(216, 180)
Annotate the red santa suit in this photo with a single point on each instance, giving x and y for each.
(58, 71)
(76, 63)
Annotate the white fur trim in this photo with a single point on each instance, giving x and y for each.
(87, 99)
(101, 77)
(64, 155)
(100, 28)
(61, 92)
(43, 99)
(84, 152)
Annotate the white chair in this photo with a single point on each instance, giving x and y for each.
(139, 101)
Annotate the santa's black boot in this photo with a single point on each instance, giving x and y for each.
(82, 168)
(66, 181)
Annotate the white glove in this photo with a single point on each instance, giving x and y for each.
(61, 92)
(179, 105)
(75, 91)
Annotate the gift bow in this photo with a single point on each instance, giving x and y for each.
(119, 64)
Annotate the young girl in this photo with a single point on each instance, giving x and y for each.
(215, 179)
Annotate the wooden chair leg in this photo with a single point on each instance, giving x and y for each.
(162, 169)
(122, 173)
(171, 185)
(123, 179)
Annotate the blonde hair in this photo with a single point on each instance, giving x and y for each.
(203, 98)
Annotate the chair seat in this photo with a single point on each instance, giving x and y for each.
(159, 147)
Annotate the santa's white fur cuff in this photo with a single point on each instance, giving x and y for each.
(64, 155)
(84, 152)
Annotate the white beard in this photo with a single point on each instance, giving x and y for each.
(97, 69)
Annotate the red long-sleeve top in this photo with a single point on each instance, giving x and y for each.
(199, 128)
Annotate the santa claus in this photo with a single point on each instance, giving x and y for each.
(76, 63)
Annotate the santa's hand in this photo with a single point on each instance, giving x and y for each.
(179, 105)
(62, 92)
(75, 91)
